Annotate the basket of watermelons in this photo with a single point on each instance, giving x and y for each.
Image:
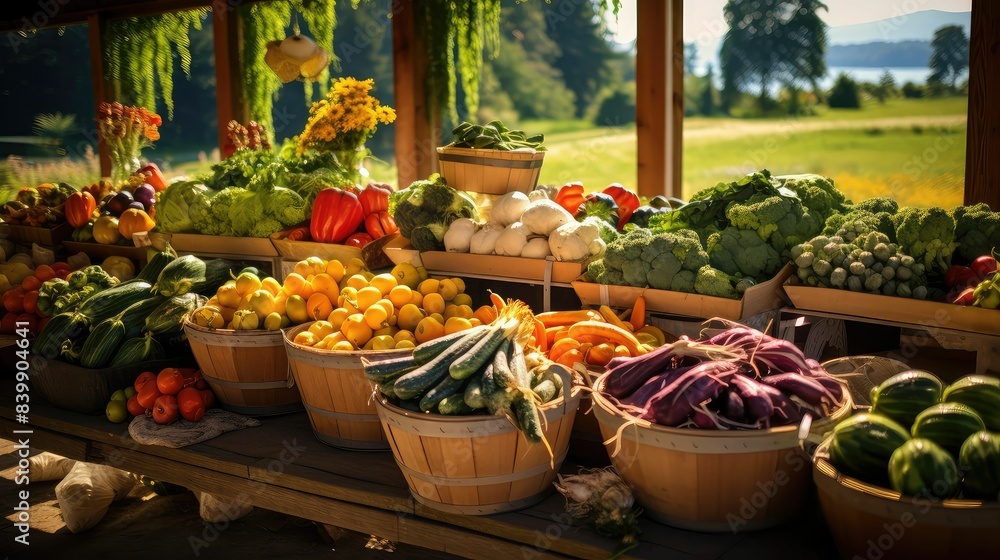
(918, 476)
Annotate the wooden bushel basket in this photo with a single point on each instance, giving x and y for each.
(490, 171)
(247, 370)
(336, 394)
(868, 521)
(477, 465)
(711, 480)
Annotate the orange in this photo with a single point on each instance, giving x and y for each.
(409, 316)
(455, 324)
(318, 307)
(367, 297)
(335, 269)
(293, 283)
(429, 286)
(400, 295)
(434, 303)
(324, 284)
(428, 329)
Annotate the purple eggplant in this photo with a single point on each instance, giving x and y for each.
(734, 409)
(756, 402)
(136, 205)
(640, 397)
(146, 195)
(702, 420)
(119, 203)
(673, 404)
(831, 384)
(806, 388)
(626, 377)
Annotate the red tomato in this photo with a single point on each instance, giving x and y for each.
(30, 320)
(142, 379)
(191, 404)
(134, 408)
(13, 300)
(45, 273)
(191, 376)
(30, 302)
(31, 283)
(147, 395)
(7, 324)
(170, 381)
(208, 396)
(984, 266)
(60, 266)
(165, 409)
(62, 274)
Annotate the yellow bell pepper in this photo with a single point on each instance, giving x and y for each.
(106, 230)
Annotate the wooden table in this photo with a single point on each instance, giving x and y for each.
(281, 467)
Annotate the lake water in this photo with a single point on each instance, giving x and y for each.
(861, 74)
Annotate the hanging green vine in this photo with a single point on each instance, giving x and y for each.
(138, 53)
(272, 21)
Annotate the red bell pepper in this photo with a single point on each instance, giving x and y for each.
(623, 197)
(358, 240)
(374, 198)
(570, 196)
(336, 214)
(154, 177)
(380, 224)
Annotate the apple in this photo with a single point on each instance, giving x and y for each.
(119, 395)
(209, 397)
(116, 411)
(147, 395)
(130, 392)
(170, 381)
(133, 406)
(191, 404)
(165, 409)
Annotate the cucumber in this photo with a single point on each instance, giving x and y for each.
(863, 444)
(385, 388)
(447, 387)
(416, 382)
(388, 369)
(498, 400)
(526, 414)
(68, 326)
(478, 355)
(155, 265)
(410, 405)
(135, 316)
(921, 467)
(503, 377)
(518, 367)
(454, 405)
(948, 425)
(473, 394)
(904, 395)
(982, 394)
(546, 390)
(113, 301)
(426, 352)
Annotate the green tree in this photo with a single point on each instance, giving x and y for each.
(706, 99)
(950, 55)
(845, 93)
(885, 88)
(585, 53)
(769, 41)
(690, 57)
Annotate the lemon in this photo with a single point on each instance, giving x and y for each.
(117, 411)
(384, 282)
(429, 286)
(406, 275)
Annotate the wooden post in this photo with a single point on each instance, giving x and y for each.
(416, 157)
(659, 99)
(100, 85)
(982, 165)
(227, 38)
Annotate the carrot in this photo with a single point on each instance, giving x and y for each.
(541, 342)
(638, 317)
(563, 318)
(617, 335)
(562, 345)
(610, 316)
(497, 301)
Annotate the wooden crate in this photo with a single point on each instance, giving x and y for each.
(222, 245)
(26, 235)
(100, 251)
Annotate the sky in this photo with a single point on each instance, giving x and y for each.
(698, 14)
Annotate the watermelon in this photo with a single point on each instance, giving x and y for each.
(904, 395)
(948, 425)
(921, 467)
(982, 394)
(980, 461)
(862, 445)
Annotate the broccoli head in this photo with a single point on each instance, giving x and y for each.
(627, 247)
(711, 281)
(741, 252)
(264, 226)
(858, 223)
(598, 272)
(780, 220)
(669, 254)
(607, 232)
(429, 202)
(928, 235)
(429, 237)
(877, 204)
(977, 230)
(817, 193)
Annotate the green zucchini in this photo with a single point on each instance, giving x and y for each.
(518, 367)
(388, 369)
(113, 301)
(473, 394)
(447, 387)
(385, 388)
(137, 313)
(102, 342)
(155, 266)
(64, 326)
(180, 275)
(137, 350)
(168, 317)
(454, 405)
(499, 399)
(546, 390)
(426, 351)
(526, 414)
(502, 375)
(415, 383)
(478, 355)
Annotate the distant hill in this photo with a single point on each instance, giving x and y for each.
(919, 26)
(904, 54)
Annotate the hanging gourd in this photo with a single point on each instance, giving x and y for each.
(296, 56)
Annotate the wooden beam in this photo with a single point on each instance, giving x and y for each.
(100, 84)
(416, 140)
(659, 99)
(982, 165)
(227, 38)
